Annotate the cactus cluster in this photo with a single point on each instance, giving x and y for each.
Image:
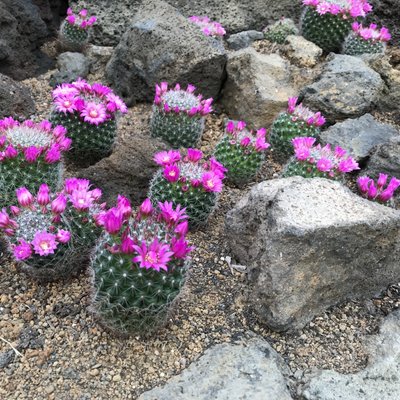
(30, 153)
(318, 161)
(298, 120)
(89, 113)
(327, 22)
(377, 191)
(139, 266)
(366, 40)
(178, 115)
(51, 234)
(241, 152)
(208, 27)
(188, 181)
(280, 30)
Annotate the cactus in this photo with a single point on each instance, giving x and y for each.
(366, 40)
(327, 22)
(312, 161)
(139, 266)
(51, 235)
(30, 153)
(178, 115)
(208, 27)
(241, 152)
(89, 113)
(74, 30)
(188, 181)
(280, 30)
(375, 191)
(297, 121)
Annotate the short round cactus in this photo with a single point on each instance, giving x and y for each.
(280, 30)
(327, 22)
(89, 113)
(178, 115)
(376, 191)
(51, 235)
(139, 266)
(312, 161)
(74, 30)
(241, 152)
(208, 27)
(296, 121)
(366, 40)
(188, 181)
(30, 153)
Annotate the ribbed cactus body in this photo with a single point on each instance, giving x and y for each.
(280, 30)
(355, 46)
(73, 37)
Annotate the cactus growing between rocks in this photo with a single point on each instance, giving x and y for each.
(178, 115)
(208, 27)
(241, 152)
(188, 181)
(327, 22)
(30, 153)
(280, 30)
(376, 191)
(139, 266)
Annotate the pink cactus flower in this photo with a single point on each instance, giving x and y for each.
(171, 173)
(363, 183)
(180, 247)
(44, 243)
(146, 208)
(167, 157)
(194, 155)
(63, 236)
(211, 182)
(53, 155)
(124, 205)
(71, 19)
(127, 245)
(94, 113)
(43, 195)
(81, 199)
(171, 215)
(59, 204)
(182, 228)
(24, 197)
(324, 164)
(11, 152)
(32, 153)
(113, 220)
(23, 251)
(156, 256)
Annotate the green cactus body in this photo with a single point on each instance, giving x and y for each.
(305, 169)
(73, 37)
(280, 30)
(356, 46)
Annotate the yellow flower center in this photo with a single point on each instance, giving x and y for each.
(44, 246)
(149, 259)
(210, 183)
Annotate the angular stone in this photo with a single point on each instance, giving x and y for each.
(385, 158)
(310, 244)
(252, 370)
(302, 52)
(99, 57)
(359, 136)
(257, 88)
(244, 39)
(71, 66)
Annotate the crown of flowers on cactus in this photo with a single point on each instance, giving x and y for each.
(208, 27)
(346, 8)
(376, 190)
(371, 33)
(304, 113)
(246, 138)
(80, 20)
(32, 141)
(179, 101)
(93, 103)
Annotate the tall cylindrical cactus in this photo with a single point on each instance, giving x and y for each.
(139, 266)
(30, 153)
(178, 115)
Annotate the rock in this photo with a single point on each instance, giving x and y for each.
(347, 88)
(257, 88)
(244, 39)
(380, 380)
(6, 358)
(359, 136)
(15, 99)
(310, 244)
(226, 371)
(99, 57)
(302, 52)
(162, 44)
(385, 158)
(71, 67)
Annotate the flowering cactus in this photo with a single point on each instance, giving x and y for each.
(188, 181)
(74, 30)
(296, 121)
(51, 234)
(139, 266)
(328, 22)
(312, 161)
(208, 27)
(375, 191)
(30, 153)
(366, 40)
(178, 115)
(241, 152)
(89, 113)
(280, 30)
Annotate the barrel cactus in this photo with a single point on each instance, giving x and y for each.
(89, 112)
(280, 30)
(241, 152)
(139, 266)
(188, 181)
(298, 120)
(318, 161)
(178, 115)
(376, 191)
(51, 234)
(74, 33)
(327, 22)
(366, 40)
(30, 153)
(208, 27)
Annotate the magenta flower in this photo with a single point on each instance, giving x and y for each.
(169, 214)
(194, 155)
(24, 197)
(124, 205)
(363, 183)
(113, 220)
(65, 103)
(324, 164)
(23, 251)
(43, 195)
(261, 144)
(44, 243)
(59, 204)
(348, 165)
(182, 228)
(32, 153)
(63, 236)
(11, 152)
(245, 142)
(81, 199)
(94, 113)
(211, 182)
(382, 180)
(4, 219)
(71, 19)
(167, 157)
(53, 155)
(146, 207)
(171, 173)
(180, 247)
(156, 256)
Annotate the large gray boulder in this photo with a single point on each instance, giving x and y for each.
(380, 380)
(310, 244)
(385, 158)
(161, 44)
(257, 88)
(244, 39)
(71, 66)
(346, 88)
(248, 371)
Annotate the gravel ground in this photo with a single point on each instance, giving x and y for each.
(63, 354)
